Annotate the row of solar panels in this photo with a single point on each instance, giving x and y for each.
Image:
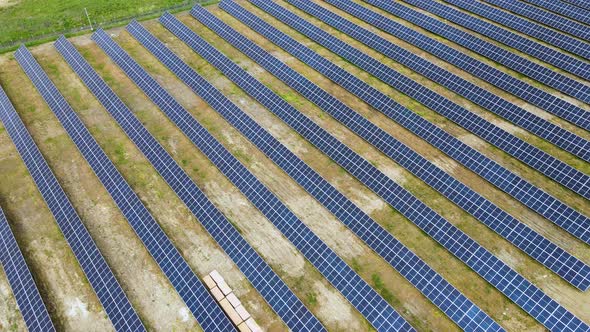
(563, 8)
(378, 313)
(462, 195)
(511, 144)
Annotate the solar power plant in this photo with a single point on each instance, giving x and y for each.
(101, 278)
(295, 165)
(21, 281)
(555, 38)
(539, 201)
(504, 224)
(373, 307)
(457, 307)
(533, 95)
(512, 284)
(530, 47)
(509, 59)
(563, 8)
(277, 294)
(544, 17)
(187, 284)
(518, 116)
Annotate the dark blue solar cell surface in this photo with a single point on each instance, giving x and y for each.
(511, 60)
(544, 17)
(564, 8)
(508, 281)
(263, 278)
(580, 3)
(527, 92)
(101, 278)
(194, 294)
(374, 308)
(526, 27)
(528, 46)
(438, 290)
(480, 96)
(21, 281)
(504, 224)
(554, 210)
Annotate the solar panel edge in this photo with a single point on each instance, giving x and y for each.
(247, 270)
(311, 191)
(514, 276)
(33, 309)
(209, 305)
(49, 176)
(282, 213)
(231, 7)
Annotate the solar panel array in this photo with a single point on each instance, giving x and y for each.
(580, 3)
(21, 281)
(563, 8)
(194, 294)
(475, 67)
(511, 60)
(365, 299)
(491, 102)
(518, 289)
(457, 307)
(101, 278)
(263, 278)
(536, 246)
(554, 210)
(528, 46)
(519, 24)
(544, 17)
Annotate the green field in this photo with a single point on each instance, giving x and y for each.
(24, 20)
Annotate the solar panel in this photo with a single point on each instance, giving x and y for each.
(579, 3)
(519, 24)
(501, 222)
(539, 201)
(101, 278)
(541, 16)
(432, 285)
(563, 8)
(21, 281)
(194, 294)
(551, 132)
(368, 302)
(511, 60)
(527, 92)
(262, 277)
(508, 281)
(552, 56)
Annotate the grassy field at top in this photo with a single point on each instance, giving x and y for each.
(29, 19)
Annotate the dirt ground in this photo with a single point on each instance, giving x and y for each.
(69, 297)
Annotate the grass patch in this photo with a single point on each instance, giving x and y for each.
(291, 97)
(235, 225)
(385, 293)
(311, 299)
(29, 19)
(356, 266)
